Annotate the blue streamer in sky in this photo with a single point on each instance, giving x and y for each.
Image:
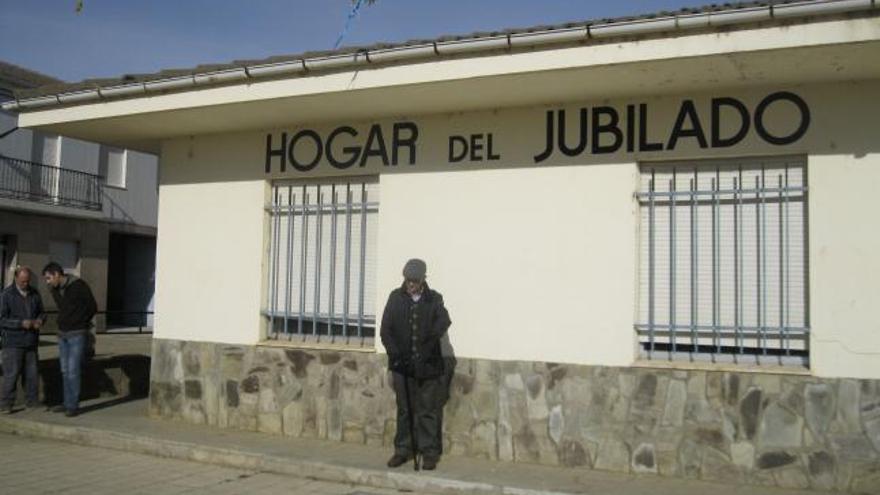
(351, 15)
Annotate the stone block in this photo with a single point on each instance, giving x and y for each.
(613, 455)
(504, 434)
(191, 357)
(853, 448)
(270, 423)
(211, 400)
(536, 400)
(353, 433)
(166, 399)
(321, 410)
(822, 469)
(293, 419)
(718, 467)
(818, 407)
(780, 428)
(674, 407)
(390, 430)
(699, 410)
(643, 459)
(848, 408)
(514, 381)
(775, 459)
(484, 440)
(556, 424)
(667, 462)
(793, 477)
(866, 480)
(484, 402)
(232, 362)
(525, 446)
(267, 402)
(750, 408)
(193, 412)
(743, 455)
(334, 421)
(573, 454)
(696, 384)
(769, 384)
(166, 365)
(730, 389)
(690, 459)
(872, 430)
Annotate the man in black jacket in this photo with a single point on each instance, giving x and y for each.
(76, 308)
(21, 316)
(413, 323)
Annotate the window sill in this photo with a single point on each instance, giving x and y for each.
(772, 369)
(365, 345)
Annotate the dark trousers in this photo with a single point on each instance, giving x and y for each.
(20, 361)
(426, 397)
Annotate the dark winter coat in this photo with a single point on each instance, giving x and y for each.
(411, 333)
(13, 309)
(76, 305)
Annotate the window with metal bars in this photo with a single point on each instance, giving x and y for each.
(723, 261)
(322, 261)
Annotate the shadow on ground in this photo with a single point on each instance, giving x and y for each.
(119, 372)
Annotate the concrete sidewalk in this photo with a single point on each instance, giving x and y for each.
(124, 425)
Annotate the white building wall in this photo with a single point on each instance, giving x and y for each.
(536, 262)
(844, 263)
(19, 143)
(138, 201)
(79, 155)
(209, 262)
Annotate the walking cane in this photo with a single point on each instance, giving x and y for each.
(411, 414)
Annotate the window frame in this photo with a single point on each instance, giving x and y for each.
(661, 340)
(330, 325)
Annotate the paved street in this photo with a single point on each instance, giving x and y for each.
(37, 466)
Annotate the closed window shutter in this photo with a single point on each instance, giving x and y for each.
(729, 264)
(322, 274)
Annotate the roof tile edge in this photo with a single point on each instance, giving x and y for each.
(335, 61)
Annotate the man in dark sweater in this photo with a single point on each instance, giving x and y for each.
(76, 308)
(21, 316)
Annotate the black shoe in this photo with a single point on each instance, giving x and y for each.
(57, 409)
(396, 460)
(71, 413)
(32, 405)
(429, 463)
(6, 410)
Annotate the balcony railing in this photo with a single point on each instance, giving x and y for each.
(30, 181)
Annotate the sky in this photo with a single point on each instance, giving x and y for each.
(110, 38)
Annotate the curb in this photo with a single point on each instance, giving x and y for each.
(92, 437)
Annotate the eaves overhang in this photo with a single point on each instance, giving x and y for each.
(730, 47)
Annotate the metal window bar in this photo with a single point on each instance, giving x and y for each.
(651, 255)
(30, 181)
(306, 303)
(736, 328)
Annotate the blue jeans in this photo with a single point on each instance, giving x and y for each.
(19, 361)
(70, 354)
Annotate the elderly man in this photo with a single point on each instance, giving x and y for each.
(21, 316)
(76, 308)
(413, 324)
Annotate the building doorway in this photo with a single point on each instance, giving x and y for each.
(131, 281)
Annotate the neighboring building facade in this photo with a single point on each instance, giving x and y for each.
(654, 237)
(90, 207)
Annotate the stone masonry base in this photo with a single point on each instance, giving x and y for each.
(736, 427)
